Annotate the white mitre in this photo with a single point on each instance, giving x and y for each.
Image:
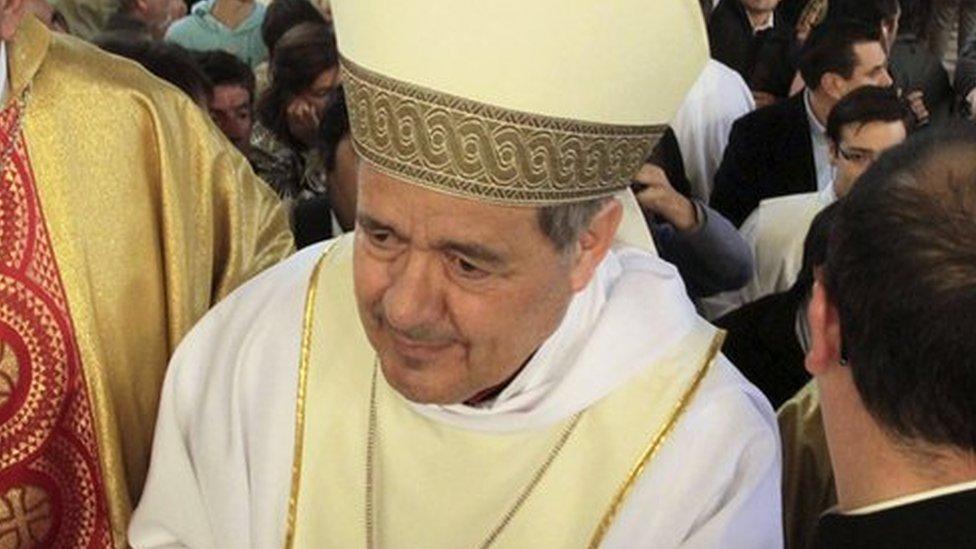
(518, 102)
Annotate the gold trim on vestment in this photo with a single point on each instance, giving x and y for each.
(296, 468)
(470, 149)
(656, 442)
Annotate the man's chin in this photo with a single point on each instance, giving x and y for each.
(419, 384)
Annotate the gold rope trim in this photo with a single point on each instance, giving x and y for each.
(296, 468)
(466, 148)
(649, 453)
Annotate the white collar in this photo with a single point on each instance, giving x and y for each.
(4, 76)
(765, 26)
(827, 195)
(913, 498)
(815, 124)
(630, 314)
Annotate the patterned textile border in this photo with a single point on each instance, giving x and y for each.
(470, 149)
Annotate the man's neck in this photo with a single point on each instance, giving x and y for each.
(894, 469)
(759, 19)
(821, 104)
(232, 12)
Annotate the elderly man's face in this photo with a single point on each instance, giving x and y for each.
(454, 295)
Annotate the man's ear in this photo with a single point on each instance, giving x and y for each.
(833, 85)
(11, 15)
(595, 242)
(825, 335)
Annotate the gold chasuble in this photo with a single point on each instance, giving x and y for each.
(391, 477)
(123, 217)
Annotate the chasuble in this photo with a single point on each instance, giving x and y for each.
(124, 215)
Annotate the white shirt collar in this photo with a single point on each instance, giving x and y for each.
(827, 195)
(914, 498)
(765, 26)
(814, 122)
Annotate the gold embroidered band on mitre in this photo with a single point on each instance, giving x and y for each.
(471, 149)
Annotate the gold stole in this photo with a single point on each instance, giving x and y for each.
(441, 486)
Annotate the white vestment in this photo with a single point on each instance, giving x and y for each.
(222, 461)
(703, 123)
(775, 232)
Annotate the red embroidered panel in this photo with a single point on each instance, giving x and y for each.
(51, 490)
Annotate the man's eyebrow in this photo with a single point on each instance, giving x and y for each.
(371, 224)
(478, 252)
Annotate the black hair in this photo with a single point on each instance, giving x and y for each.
(830, 48)
(869, 12)
(284, 15)
(303, 53)
(165, 60)
(865, 105)
(901, 269)
(334, 127)
(225, 69)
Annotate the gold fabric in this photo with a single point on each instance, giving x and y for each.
(808, 478)
(471, 149)
(153, 217)
(419, 460)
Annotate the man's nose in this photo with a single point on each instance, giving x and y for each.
(414, 297)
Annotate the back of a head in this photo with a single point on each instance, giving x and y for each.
(901, 269)
(225, 69)
(866, 105)
(167, 61)
(830, 49)
(284, 15)
(869, 12)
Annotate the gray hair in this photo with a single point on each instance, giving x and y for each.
(563, 223)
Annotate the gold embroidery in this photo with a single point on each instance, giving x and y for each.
(305, 352)
(471, 149)
(656, 442)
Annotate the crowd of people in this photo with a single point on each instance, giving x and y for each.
(810, 189)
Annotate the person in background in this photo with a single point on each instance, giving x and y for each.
(764, 338)
(709, 253)
(919, 73)
(167, 61)
(737, 31)
(340, 161)
(305, 72)
(231, 102)
(892, 350)
(47, 14)
(125, 216)
(783, 149)
(233, 26)
(864, 124)
(280, 17)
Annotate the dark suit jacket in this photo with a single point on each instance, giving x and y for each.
(939, 523)
(762, 343)
(770, 153)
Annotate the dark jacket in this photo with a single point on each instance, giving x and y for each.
(732, 39)
(942, 522)
(913, 67)
(770, 153)
(763, 345)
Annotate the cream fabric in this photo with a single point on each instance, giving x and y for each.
(223, 452)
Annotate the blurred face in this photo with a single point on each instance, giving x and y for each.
(859, 147)
(871, 68)
(157, 14)
(760, 6)
(454, 295)
(319, 93)
(231, 109)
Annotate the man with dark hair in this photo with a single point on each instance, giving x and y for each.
(737, 31)
(883, 14)
(893, 353)
(232, 98)
(783, 149)
(863, 125)
(170, 62)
